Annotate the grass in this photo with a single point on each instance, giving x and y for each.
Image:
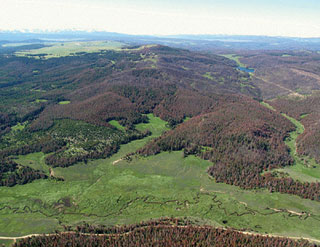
(155, 125)
(267, 105)
(303, 116)
(153, 59)
(70, 48)
(162, 185)
(35, 161)
(116, 124)
(235, 58)
(6, 242)
(185, 68)
(105, 192)
(246, 85)
(186, 119)
(38, 90)
(41, 100)
(65, 102)
(19, 126)
(208, 75)
(304, 169)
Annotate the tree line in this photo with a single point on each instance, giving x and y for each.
(169, 232)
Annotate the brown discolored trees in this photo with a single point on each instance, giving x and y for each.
(165, 232)
(243, 139)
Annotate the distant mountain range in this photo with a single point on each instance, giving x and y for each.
(193, 42)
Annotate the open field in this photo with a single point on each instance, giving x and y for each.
(70, 48)
(108, 192)
(235, 58)
(19, 126)
(35, 161)
(116, 124)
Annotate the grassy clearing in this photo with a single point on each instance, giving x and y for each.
(211, 77)
(155, 125)
(35, 161)
(304, 169)
(105, 192)
(38, 90)
(235, 58)
(19, 126)
(41, 100)
(152, 59)
(66, 102)
(70, 48)
(246, 85)
(185, 68)
(208, 75)
(116, 124)
(267, 105)
(303, 116)
(186, 119)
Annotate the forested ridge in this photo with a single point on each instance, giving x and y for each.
(163, 232)
(240, 145)
(307, 111)
(243, 138)
(100, 87)
(84, 107)
(11, 173)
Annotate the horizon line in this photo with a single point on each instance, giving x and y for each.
(40, 31)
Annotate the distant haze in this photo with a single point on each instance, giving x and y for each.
(295, 18)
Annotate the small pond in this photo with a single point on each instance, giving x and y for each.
(248, 70)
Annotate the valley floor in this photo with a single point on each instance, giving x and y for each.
(114, 191)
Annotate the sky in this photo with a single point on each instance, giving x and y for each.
(294, 18)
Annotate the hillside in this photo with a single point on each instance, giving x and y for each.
(240, 145)
(284, 72)
(307, 111)
(114, 134)
(119, 84)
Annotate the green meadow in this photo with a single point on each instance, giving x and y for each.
(117, 125)
(63, 49)
(235, 58)
(66, 102)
